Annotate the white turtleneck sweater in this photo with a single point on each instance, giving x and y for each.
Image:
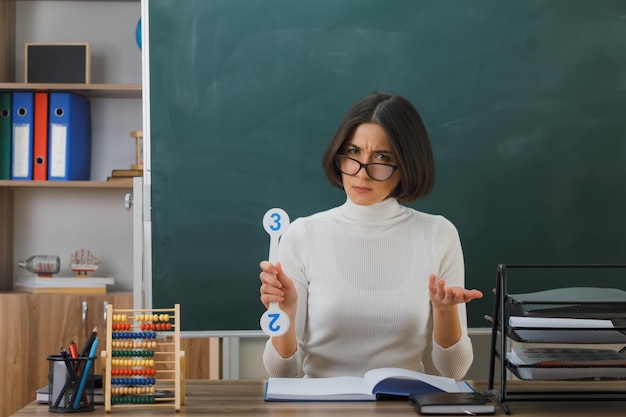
(361, 273)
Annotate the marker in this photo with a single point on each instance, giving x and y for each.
(274, 322)
(73, 350)
(71, 371)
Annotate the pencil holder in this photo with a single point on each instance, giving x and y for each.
(71, 384)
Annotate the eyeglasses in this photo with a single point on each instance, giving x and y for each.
(375, 170)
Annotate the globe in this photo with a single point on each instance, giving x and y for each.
(138, 33)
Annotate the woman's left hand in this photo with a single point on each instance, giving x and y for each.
(442, 296)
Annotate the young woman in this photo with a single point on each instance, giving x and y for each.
(372, 283)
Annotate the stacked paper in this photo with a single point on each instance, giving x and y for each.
(63, 285)
(568, 363)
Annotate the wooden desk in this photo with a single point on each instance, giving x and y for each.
(245, 398)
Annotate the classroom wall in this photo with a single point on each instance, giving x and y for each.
(115, 59)
(54, 221)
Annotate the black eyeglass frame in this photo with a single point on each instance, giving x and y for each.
(339, 157)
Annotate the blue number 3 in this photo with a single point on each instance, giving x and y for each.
(276, 226)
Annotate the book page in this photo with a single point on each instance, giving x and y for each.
(347, 387)
(374, 376)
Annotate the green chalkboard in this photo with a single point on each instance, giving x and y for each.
(525, 102)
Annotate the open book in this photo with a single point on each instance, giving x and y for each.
(373, 385)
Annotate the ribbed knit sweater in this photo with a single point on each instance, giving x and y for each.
(361, 273)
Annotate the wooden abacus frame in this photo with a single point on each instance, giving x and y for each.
(172, 353)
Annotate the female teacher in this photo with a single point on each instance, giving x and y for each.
(372, 283)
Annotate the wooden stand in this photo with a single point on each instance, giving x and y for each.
(143, 363)
(138, 136)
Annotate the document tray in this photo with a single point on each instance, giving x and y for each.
(578, 302)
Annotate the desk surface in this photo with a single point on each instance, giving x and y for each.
(245, 398)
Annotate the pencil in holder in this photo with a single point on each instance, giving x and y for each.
(71, 384)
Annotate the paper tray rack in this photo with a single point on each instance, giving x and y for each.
(610, 306)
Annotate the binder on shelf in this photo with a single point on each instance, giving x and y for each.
(40, 137)
(5, 135)
(22, 143)
(69, 145)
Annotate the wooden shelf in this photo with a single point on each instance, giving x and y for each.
(87, 90)
(70, 206)
(126, 183)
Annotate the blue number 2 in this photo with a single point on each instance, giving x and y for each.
(276, 226)
(274, 317)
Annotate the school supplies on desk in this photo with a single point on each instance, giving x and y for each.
(73, 350)
(129, 382)
(466, 403)
(90, 341)
(376, 384)
(85, 376)
(43, 395)
(69, 146)
(73, 388)
(70, 379)
(22, 143)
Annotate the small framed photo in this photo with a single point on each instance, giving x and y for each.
(57, 63)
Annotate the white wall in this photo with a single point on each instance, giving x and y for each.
(55, 221)
(109, 27)
(58, 222)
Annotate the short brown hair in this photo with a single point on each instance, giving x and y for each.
(407, 137)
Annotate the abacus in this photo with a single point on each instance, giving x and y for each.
(143, 362)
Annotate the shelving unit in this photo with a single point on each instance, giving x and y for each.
(45, 322)
(54, 216)
(555, 305)
(125, 183)
(28, 207)
(87, 90)
(114, 57)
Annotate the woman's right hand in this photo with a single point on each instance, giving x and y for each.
(276, 287)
